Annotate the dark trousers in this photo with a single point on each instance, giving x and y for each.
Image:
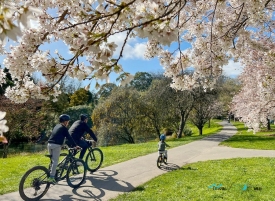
(84, 145)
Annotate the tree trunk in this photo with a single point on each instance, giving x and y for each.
(5, 150)
(209, 123)
(182, 124)
(268, 124)
(200, 129)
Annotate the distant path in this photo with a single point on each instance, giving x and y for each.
(111, 181)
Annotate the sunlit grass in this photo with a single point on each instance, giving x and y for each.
(264, 140)
(232, 179)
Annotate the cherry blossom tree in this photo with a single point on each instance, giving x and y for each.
(216, 30)
(255, 103)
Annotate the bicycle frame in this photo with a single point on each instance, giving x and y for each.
(64, 164)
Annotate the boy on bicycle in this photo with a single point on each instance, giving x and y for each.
(162, 145)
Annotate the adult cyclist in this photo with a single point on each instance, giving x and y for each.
(59, 133)
(78, 130)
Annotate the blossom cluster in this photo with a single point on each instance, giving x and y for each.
(217, 31)
(3, 127)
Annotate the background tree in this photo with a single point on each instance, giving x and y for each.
(106, 90)
(25, 121)
(80, 97)
(120, 110)
(204, 108)
(141, 81)
(227, 88)
(75, 111)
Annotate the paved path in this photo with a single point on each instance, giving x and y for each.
(111, 181)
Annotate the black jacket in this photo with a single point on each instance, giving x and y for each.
(58, 135)
(78, 129)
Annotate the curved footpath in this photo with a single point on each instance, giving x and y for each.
(111, 181)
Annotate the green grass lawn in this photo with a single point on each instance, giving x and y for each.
(241, 179)
(247, 140)
(231, 180)
(13, 167)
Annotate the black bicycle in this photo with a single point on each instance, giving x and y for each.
(161, 159)
(34, 184)
(94, 157)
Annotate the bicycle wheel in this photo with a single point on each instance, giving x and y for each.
(165, 160)
(94, 159)
(159, 161)
(33, 185)
(76, 173)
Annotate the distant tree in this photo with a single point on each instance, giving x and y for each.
(25, 121)
(80, 97)
(57, 107)
(205, 107)
(120, 110)
(227, 87)
(106, 90)
(156, 107)
(141, 81)
(166, 106)
(75, 111)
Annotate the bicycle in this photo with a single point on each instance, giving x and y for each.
(34, 185)
(161, 159)
(94, 157)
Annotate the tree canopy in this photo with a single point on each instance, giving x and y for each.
(216, 31)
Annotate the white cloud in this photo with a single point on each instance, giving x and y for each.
(132, 50)
(232, 69)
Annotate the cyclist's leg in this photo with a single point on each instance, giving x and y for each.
(84, 145)
(54, 150)
(165, 154)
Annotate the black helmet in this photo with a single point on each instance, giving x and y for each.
(64, 117)
(83, 117)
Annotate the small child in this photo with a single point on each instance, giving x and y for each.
(162, 145)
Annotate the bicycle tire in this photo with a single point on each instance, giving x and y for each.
(76, 173)
(165, 160)
(159, 161)
(94, 159)
(33, 184)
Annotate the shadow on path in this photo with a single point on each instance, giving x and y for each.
(95, 186)
(169, 167)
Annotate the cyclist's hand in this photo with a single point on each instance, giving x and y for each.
(94, 143)
(78, 147)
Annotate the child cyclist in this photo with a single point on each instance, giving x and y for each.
(162, 145)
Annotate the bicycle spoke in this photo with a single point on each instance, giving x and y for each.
(94, 159)
(33, 184)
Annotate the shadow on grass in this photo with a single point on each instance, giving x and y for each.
(139, 188)
(169, 167)
(188, 168)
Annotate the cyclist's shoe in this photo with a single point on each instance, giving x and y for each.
(51, 180)
(79, 163)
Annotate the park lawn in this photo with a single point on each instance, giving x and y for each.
(250, 179)
(13, 167)
(264, 139)
(246, 179)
